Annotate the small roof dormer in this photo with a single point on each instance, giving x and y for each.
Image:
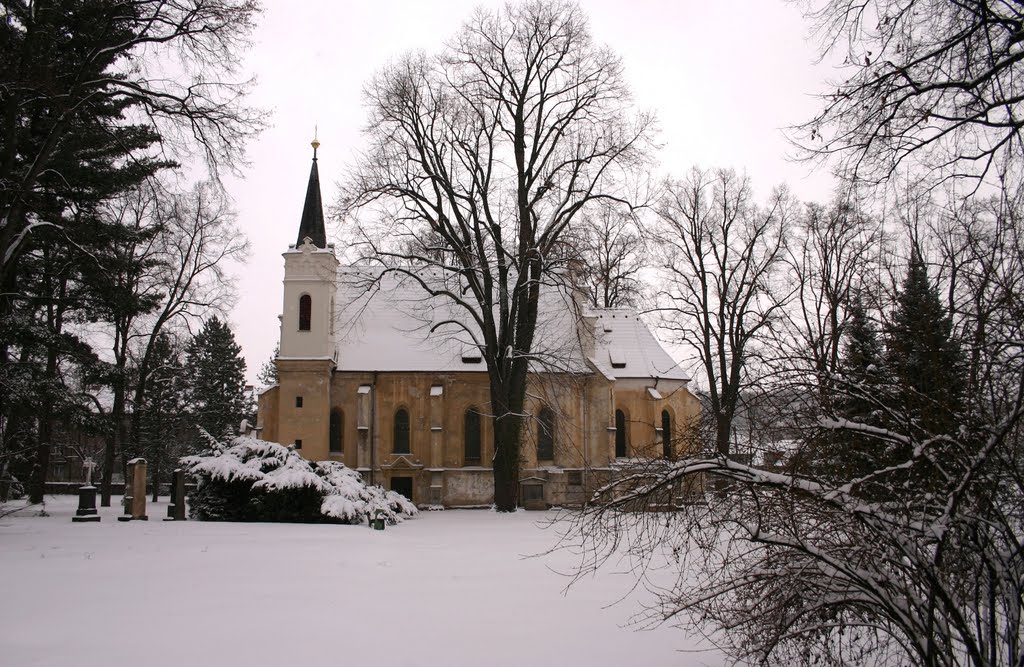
(312, 223)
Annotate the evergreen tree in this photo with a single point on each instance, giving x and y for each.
(84, 119)
(925, 390)
(77, 69)
(64, 271)
(923, 356)
(216, 376)
(268, 371)
(847, 455)
(862, 356)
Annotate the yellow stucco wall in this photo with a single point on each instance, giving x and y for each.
(267, 410)
(308, 379)
(584, 408)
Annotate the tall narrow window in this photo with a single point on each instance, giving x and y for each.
(546, 435)
(337, 431)
(305, 311)
(620, 434)
(401, 432)
(666, 434)
(471, 438)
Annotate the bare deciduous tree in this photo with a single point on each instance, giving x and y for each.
(481, 159)
(607, 253)
(832, 256)
(172, 270)
(937, 85)
(198, 238)
(721, 256)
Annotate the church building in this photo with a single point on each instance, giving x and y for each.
(369, 375)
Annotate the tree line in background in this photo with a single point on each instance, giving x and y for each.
(107, 261)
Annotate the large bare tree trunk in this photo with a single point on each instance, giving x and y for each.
(507, 431)
(522, 110)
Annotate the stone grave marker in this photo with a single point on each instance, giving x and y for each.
(135, 492)
(86, 511)
(176, 509)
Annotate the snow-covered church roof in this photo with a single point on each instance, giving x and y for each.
(386, 321)
(626, 348)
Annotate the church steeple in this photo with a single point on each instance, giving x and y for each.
(312, 224)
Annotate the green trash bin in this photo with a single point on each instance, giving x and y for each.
(379, 521)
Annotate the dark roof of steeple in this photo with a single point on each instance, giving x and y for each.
(312, 224)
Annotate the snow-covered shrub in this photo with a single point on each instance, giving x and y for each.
(254, 480)
(355, 499)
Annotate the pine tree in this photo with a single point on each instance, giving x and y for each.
(268, 371)
(924, 362)
(862, 356)
(842, 456)
(855, 455)
(923, 356)
(216, 375)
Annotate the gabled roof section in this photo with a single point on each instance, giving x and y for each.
(312, 223)
(625, 348)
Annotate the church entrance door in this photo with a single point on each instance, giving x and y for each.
(402, 485)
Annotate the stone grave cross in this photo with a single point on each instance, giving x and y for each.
(87, 511)
(89, 465)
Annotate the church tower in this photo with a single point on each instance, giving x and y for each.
(307, 355)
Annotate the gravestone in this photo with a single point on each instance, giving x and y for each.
(176, 509)
(87, 497)
(126, 501)
(135, 492)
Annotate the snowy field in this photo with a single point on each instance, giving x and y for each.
(445, 588)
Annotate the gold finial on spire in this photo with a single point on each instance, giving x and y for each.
(316, 142)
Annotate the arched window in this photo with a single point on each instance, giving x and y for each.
(402, 432)
(471, 438)
(337, 431)
(305, 311)
(546, 435)
(620, 434)
(666, 434)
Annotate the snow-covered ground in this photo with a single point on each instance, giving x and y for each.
(445, 588)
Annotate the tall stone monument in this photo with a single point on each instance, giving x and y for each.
(135, 492)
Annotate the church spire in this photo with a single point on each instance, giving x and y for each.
(312, 224)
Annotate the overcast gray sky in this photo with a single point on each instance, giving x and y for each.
(725, 78)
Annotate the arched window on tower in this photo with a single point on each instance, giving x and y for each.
(666, 434)
(337, 431)
(620, 434)
(546, 435)
(471, 438)
(401, 445)
(305, 311)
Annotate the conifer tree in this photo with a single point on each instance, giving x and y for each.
(268, 371)
(216, 376)
(848, 455)
(923, 356)
(862, 357)
(925, 392)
